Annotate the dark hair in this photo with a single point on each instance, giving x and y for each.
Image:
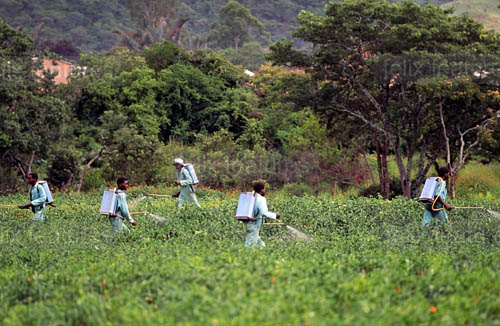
(442, 171)
(121, 180)
(33, 175)
(258, 186)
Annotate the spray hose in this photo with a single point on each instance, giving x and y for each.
(439, 195)
(441, 188)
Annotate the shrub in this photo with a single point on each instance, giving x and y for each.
(64, 164)
(374, 190)
(297, 189)
(93, 179)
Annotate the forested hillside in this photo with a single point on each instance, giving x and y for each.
(88, 24)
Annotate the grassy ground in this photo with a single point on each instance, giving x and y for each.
(484, 11)
(369, 263)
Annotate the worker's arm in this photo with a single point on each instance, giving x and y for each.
(445, 205)
(265, 211)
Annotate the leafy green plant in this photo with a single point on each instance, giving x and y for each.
(368, 260)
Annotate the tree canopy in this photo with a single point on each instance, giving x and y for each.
(369, 58)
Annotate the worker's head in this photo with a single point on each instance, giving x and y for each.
(178, 163)
(444, 173)
(32, 178)
(259, 188)
(122, 183)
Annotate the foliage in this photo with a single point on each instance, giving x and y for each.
(86, 24)
(64, 165)
(250, 55)
(374, 190)
(32, 118)
(236, 26)
(369, 260)
(156, 21)
(297, 189)
(479, 182)
(92, 22)
(364, 61)
(278, 17)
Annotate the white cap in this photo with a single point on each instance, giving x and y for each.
(179, 161)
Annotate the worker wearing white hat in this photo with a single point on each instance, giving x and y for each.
(186, 182)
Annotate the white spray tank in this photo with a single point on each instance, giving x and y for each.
(45, 186)
(246, 204)
(108, 202)
(427, 195)
(192, 173)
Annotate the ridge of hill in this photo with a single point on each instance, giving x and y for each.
(88, 23)
(484, 11)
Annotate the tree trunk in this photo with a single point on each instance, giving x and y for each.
(370, 172)
(31, 161)
(452, 184)
(89, 164)
(382, 149)
(464, 151)
(19, 163)
(67, 183)
(423, 168)
(404, 174)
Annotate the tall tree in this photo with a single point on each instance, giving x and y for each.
(368, 58)
(236, 26)
(467, 112)
(31, 117)
(156, 21)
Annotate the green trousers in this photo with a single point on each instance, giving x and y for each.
(253, 238)
(39, 214)
(117, 225)
(430, 214)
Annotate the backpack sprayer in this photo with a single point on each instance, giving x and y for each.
(109, 203)
(427, 196)
(49, 200)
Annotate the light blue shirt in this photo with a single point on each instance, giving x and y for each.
(37, 197)
(260, 209)
(122, 207)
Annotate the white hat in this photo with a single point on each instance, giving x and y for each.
(179, 161)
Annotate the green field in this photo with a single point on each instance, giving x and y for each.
(369, 263)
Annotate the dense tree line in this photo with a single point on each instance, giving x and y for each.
(125, 108)
(89, 25)
(385, 78)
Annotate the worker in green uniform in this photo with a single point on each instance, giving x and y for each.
(436, 209)
(122, 212)
(38, 198)
(186, 182)
(261, 212)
